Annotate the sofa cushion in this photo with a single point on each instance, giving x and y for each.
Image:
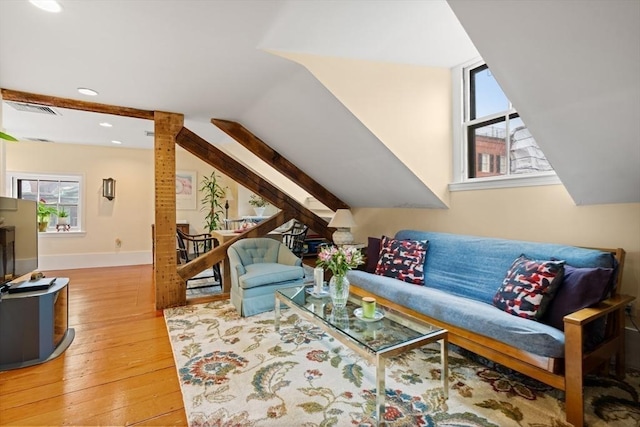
(269, 273)
(402, 259)
(580, 288)
(373, 254)
(474, 266)
(475, 316)
(529, 287)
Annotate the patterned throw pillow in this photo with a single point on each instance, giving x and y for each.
(529, 287)
(402, 259)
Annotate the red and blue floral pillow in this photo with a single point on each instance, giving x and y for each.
(528, 287)
(402, 259)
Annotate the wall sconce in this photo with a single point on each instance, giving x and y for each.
(343, 221)
(109, 188)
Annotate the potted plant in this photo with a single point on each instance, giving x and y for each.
(259, 204)
(44, 214)
(212, 193)
(63, 217)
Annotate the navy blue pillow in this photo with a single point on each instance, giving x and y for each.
(580, 288)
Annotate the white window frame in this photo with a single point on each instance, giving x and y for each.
(12, 191)
(460, 104)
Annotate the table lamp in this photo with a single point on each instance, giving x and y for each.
(343, 221)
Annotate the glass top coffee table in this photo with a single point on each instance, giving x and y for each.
(392, 334)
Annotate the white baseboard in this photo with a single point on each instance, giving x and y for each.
(72, 261)
(632, 347)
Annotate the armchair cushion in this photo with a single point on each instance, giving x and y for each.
(269, 273)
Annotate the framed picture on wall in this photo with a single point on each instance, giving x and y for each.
(186, 189)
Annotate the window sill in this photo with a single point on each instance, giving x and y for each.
(56, 234)
(505, 182)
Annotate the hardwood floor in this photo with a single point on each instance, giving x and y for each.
(119, 370)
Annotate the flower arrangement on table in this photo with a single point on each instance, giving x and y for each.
(258, 201)
(339, 260)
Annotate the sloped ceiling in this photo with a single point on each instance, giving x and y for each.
(207, 59)
(572, 70)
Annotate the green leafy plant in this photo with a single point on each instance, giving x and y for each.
(212, 193)
(258, 201)
(44, 211)
(63, 213)
(7, 137)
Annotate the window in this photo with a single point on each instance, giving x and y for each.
(58, 191)
(496, 142)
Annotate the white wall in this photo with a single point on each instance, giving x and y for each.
(128, 217)
(412, 126)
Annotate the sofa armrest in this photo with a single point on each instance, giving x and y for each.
(589, 314)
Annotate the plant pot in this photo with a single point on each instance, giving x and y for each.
(259, 211)
(63, 220)
(42, 226)
(339, 291)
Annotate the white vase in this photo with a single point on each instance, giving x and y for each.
(339, 291)
(259, 211)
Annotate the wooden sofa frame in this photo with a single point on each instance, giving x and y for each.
(562, 373)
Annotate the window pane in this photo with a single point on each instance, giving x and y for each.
(487, 96)
(488, 141)
(49, 191)
(69, 192)
(525, 155)
(28, 189)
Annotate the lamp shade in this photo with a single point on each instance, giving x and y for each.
(342, 219)
(228, 194)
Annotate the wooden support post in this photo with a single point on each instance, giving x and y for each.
(171, 289)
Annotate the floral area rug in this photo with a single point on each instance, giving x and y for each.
(237, 371)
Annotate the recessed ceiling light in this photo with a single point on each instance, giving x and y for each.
(117, 142)
(48, 5)
(87, 91)
(106, 125)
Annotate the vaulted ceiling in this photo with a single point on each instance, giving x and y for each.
(569, 78)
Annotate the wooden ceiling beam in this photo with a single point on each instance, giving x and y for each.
(258, 147)
(74, 104)
(249, 179)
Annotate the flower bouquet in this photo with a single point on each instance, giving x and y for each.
(339, 260)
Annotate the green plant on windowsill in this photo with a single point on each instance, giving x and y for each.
(44, 213)
(63, 216)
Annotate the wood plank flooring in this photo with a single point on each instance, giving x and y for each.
(119, 370)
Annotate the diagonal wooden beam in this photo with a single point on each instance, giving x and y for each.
(278, 162)
(245, 176)
(73, 104)
(219, 253)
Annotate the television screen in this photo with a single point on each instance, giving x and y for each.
(19, 235)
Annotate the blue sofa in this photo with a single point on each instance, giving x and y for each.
(461, 276)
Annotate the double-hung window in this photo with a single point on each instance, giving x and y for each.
(61, 192)
(495, 143)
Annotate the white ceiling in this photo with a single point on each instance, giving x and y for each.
(207, 59)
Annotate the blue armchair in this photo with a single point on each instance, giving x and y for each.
(258, 267)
